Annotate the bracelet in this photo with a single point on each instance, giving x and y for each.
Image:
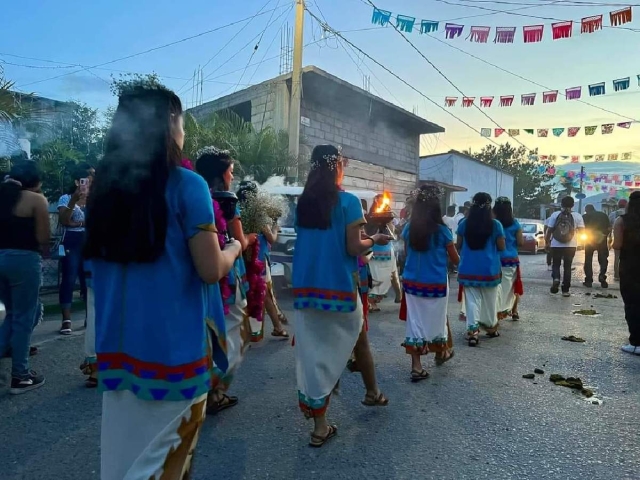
(373, 242)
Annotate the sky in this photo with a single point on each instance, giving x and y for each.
(53, 37)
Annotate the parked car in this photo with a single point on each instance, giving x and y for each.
(533, 233)
(282, 250)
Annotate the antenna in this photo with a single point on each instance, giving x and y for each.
(286, 51)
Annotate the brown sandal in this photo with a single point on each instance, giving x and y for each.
(417, 375)
(317, 441)
(91, 382)
(445, 358)
(225, 402)
(378, 400)
(280, 333)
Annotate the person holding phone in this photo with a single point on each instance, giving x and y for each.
(71, 208)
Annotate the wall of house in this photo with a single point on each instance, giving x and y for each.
(438, 168)
(479, 178)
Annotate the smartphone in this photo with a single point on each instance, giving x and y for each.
(84, 185)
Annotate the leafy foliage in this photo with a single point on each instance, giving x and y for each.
(532, 185)
(57, 161)
(259, 154)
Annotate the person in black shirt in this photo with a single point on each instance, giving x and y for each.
(598, 229)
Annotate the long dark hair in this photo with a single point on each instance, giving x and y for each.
(212, 164)
(426, 218)
(127, 212)
(503, 211)
(479, 226)
(23, 175)
(78, 172)
(320, 193)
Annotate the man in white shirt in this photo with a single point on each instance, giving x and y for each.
(450, 218)
(563, 228)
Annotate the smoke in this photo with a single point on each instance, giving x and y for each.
(9, 142)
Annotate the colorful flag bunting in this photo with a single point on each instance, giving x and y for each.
(591, 24)
(562, 29)
(621, 84)
(544, 158)
(468, 101)
(428, 26)
(590, 130)
(628, 184)
(479, 34)
(553, 158)
(607, 128)
(588, 158)
(499, 131)
(620, 17)
(450, 101)
(600, 158)
(624, 125)
(528, 98)
(532, 33)
(612, 158)
(543, 132)
(505, 34)
(558, 131)
(452, 30)
(485, 132)
(405, 23)
(381, 17)
(616, 177)
(550, 97)
(486, 101)
(596, 89)
(575, 159)
(514, 132)
(626, 156)
(506, 100)
(573, 93)
(573, 131)
(529, 131)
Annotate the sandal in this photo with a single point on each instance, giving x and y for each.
(373, 307)
(473, 340)
(317, 441)
(91, 382)
(225, 402)
(280, 333)
(378, 400)
(445, 358)
(515, 316)
(66, 330)
(494, 334)
(283, 319)
(416, 375)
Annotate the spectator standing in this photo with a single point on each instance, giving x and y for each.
(622, 206)
(598, 229)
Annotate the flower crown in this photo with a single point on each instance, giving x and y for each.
(332, 160)
(426, 193)
(503, 200)
(211, 150)
(484, 204)
(137, 82)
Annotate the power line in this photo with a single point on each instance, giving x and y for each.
(444, 76)
(526, 79)
(150, 49)
(362, 52)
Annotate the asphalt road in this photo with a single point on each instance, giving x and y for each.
(475, 418)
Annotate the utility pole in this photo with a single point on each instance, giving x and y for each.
(580, 197)
(296, 91)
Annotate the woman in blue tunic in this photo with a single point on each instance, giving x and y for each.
(216, 167)
(154, 254)
(328, 321)
(480, 239)
(429, 247)
(511, 286)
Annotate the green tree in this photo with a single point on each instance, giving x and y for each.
(57, 161)
(259, 154)
(532, 184)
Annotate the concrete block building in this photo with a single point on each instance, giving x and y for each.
(381, 139)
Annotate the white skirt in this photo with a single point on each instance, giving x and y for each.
(506, 290)
(381, 273)
(482, 308)
(237, 339)
(148, 439)
(323, 345)
(426, 323)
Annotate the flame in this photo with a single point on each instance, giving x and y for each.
(385, 205)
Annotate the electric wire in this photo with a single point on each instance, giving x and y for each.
(395, 75)
(445, 77)
(160, 47)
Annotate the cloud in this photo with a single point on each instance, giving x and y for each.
(83, 84)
